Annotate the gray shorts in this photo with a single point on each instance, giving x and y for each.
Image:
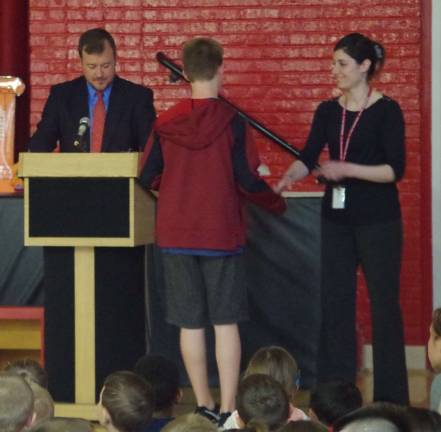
(203, 290)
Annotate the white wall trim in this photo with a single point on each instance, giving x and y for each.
(415, 357)
(436, 151)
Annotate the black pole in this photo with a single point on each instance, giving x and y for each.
(176, 74)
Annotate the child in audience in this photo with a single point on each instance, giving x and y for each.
(434, 353)
(126, 403)
(43, 403)
(163, 375)
(190, 423)
(303, 426)
(262, 404)
(333, 399)
(278, 363)
(16, 403)
(29, 369)
(63, 425)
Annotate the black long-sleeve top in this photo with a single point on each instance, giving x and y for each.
(377, 139)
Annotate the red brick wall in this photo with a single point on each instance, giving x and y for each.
(277, 61)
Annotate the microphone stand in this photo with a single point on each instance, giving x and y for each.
(177, 74)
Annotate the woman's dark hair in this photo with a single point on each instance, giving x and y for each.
(360, 48)
(262, 403)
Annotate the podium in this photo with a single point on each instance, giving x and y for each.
(87, 201)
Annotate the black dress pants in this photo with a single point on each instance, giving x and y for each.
(377, 248)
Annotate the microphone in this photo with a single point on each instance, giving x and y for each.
(82, 128)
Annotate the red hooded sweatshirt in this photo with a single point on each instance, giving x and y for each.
(201, 159)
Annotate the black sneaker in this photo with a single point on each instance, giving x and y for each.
(223, 417)
(212, 415)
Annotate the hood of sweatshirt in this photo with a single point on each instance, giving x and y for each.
(195, 123)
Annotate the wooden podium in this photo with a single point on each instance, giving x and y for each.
(67, 196)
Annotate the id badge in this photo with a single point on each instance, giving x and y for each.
(338, 197)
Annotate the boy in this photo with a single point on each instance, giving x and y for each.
(126, 403)
(163, 375)
(333, 399)
(203, 162)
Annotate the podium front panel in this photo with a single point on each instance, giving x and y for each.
(79, 207)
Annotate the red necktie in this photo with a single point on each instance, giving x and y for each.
(99, 118)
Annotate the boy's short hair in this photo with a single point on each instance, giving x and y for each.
(262, 400)
(163, 375)
(202, 58)
(16, 402)
(129, 400)
(190, 423)
(333, 399)
(30, 370)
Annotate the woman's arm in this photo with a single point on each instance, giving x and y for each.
(339, 170)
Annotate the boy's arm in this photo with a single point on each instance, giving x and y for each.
(245, 164)
(152, 163)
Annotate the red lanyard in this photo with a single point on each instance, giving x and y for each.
(344, 145)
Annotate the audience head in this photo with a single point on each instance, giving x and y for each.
(278, 363)
(190, 423)
(362, 49)
(377, 417)
(16, 403)
(434, 343)
(262, 403)
(30, 370)
(126, 402)
(43, 403)
(163, 375)
(333, 399)
(423, 420)
(63, 425)
(303, 426)
(202, 58)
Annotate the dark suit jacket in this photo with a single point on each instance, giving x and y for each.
(129, 117)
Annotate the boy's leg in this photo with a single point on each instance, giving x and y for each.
(193, 352)
(228, 353)
(227, 304)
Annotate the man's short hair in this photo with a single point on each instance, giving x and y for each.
(129, 400)
(93, 41)
(30, 370)
(163, 375)
(202, 58)
(333, 399)
(16, 402)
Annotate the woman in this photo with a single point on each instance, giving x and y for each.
(361, 218)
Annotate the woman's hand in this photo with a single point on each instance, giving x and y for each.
(333, 170)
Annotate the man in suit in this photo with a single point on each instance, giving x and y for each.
(120, 115)
(129, 107)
